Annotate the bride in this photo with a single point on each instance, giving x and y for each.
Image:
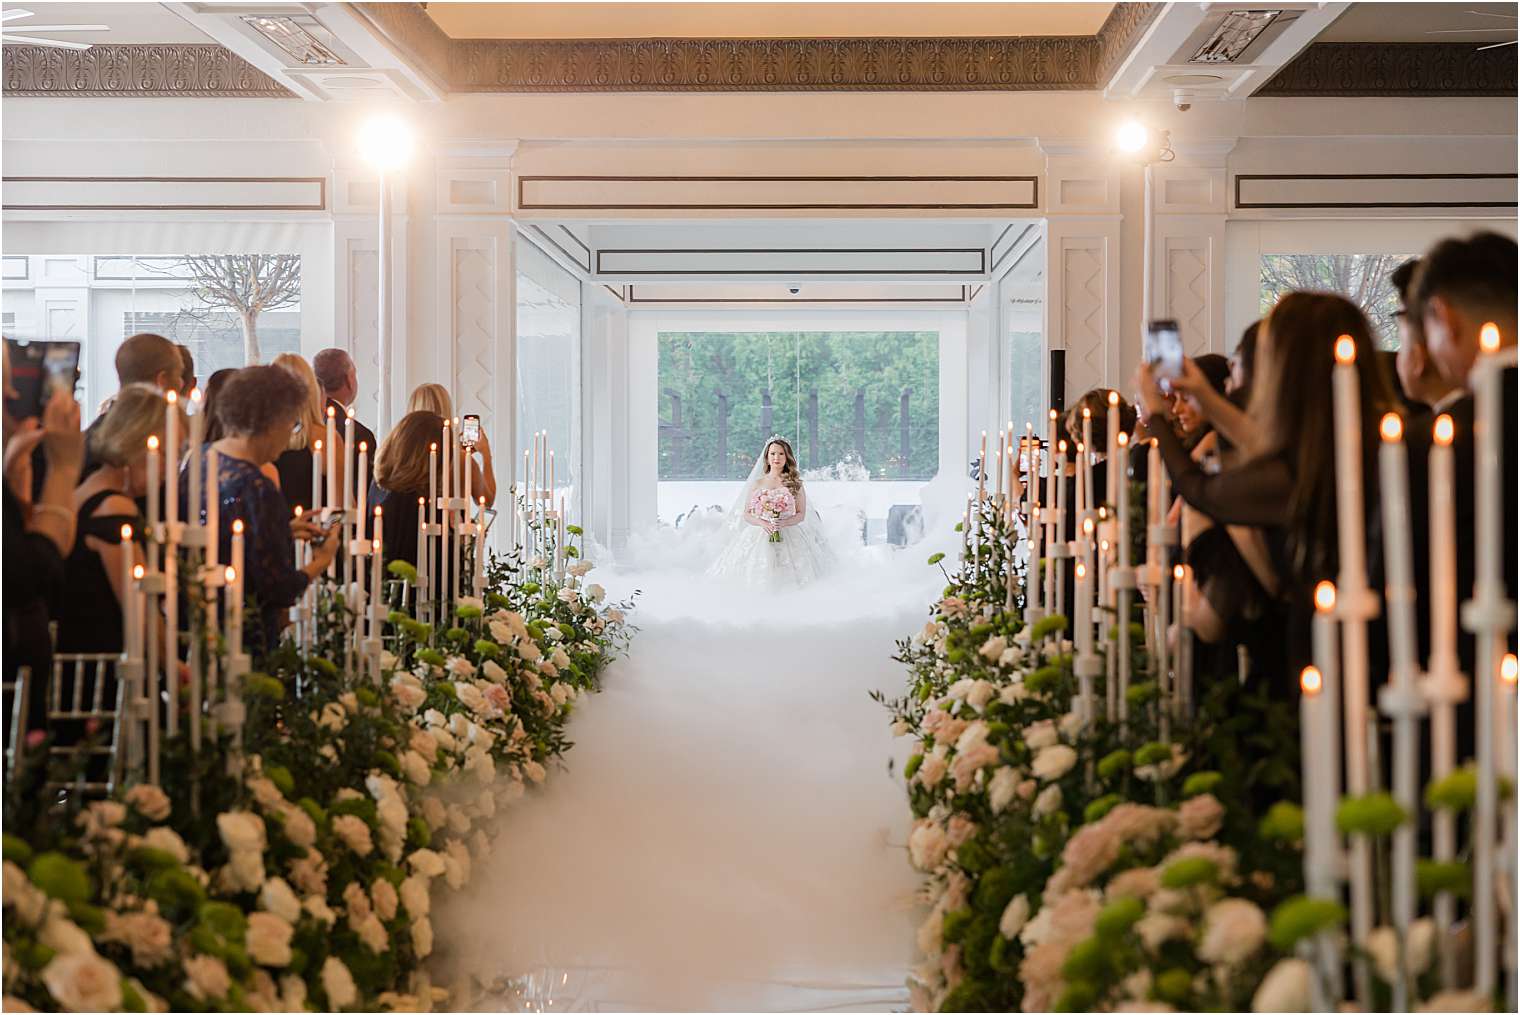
(771, 541)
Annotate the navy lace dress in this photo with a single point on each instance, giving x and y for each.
(273, 581)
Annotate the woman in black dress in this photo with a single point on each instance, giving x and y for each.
(401, 482)
(293, 463)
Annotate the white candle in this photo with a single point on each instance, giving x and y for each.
(129, 629)
(1084, 640)
(1061, 503)
(446, 511)
(1353, 598)
(1082, 474)
(362, 476)
(1445, 687)
(1400, 698)
(139, 615)
(237, 591)
(1111, 463)
(1180, 660)
(432, 509)
(997, 490)
(981, 471)
(171, 457)
(1123, 578)
(193, 458)
(377, 583)
(480, 548)
(213, 504)
(422, 550)
(1486, 619)
(1031, 470)
(155, 491)
(349, 486)
(1085, 462)
(334, 498)
(1032, 581)
(1316, 732)
(316, 476)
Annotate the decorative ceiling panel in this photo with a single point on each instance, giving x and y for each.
(180, 70)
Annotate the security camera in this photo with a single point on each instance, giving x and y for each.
(794, 290)
(1183, 100)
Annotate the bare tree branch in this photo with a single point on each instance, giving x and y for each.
(247, 284)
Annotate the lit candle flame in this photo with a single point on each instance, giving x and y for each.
(1086, 412)
(1324, 597)
(1103, 545)
(1392, 428)
(298, 510)
(1087, 526)
(331, 412)
(195, 395)
(1179, 572)
(1311, 681)
(1123, 439)
(152, 442)
(1113, 398)
(1103, 512)
(317, 444)
(1052, 414)
(433, 447)
(1081, 570)
(126, 533)
(1509, 669)
(364, 445)
(231, 575)
(377, 512)
(1488, 337)
(1445, 430)
(1061, 446)
(138, 571)
(350, 411)
(376, 546)
(171, 396)
(237, 526)
(1345, 349)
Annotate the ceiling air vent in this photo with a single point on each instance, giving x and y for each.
(301, 37)
(1233, 34)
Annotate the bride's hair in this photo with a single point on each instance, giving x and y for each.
(791, 477)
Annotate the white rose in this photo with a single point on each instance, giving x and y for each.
(1013, 693)
(29, 901)
(268, 939)
(426, 862)
(1070, 725)
(333, 717)
(245, 870)
(280, 899)
(1233, 929)
(387, 660)
(354, 833)
(1284, 988)
(434, 812)
(148, 935)
(416, 897)
(241, 830)
(900, 728)
(1049, 801)
(972, 737)
(168, 840)
(1001, 790)
(206, 978)
(372, 932)
(149, 801)
(408, 691)
(1053, 762)
(299, 828)
(319, 909)
(534, 771)
(350, 701)
(416, 768)
(459, 856)
(1015, 915)
(927, 846)
(338, 984)
(83, 982)
(615, 616)
(596, 592)
(493, 672)
(383, 895)
(422, 937)
(459, 666)
(63, 935)
(1040, 734)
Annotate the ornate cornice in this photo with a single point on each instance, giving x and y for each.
(1033, 63)
(179, 70)
(1403, 69)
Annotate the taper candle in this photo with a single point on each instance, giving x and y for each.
(316, 476)
(154, 508)
(236, 593)
(171, 457)
(334, 496)
(193, 460)
(213, 503)
(1445, 686)
(129, 626)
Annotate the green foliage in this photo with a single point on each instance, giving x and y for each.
(1300, 917)
(696, 366)
(1283, 823)
(1456, 791)
(61, 878)
(1374, 814)
(1436, 876)
(1189, 871)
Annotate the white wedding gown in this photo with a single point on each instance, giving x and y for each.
(749, 556)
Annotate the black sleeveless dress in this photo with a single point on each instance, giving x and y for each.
(88, 612)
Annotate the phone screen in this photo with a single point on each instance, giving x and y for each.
(469, 431)
(38, 369)
(1163, 349)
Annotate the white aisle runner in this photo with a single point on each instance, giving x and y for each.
(726, 837)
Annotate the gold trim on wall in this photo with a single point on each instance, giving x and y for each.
(1405, 69)
(132, 70)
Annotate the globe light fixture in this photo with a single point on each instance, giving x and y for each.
(385, 143)
(1132, 137)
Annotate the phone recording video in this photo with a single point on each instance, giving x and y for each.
(38, 370)
(469, 431)
(1163, 351)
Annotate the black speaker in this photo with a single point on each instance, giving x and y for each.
(1058, 380)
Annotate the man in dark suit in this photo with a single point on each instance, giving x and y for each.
(1423, 385)
(339, 378)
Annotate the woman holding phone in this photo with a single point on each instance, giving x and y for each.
(434, 398)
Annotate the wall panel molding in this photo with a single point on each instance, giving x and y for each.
(165, 193)
(1384, 69)
(132, 70)
(779, 193)
(798, 263)
(1375, 190)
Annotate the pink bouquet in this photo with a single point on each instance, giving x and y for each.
(773, 506)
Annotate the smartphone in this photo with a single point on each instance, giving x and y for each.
(1163, 351)
(38, 369)
(469, 430)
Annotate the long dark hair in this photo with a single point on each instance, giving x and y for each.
(403, 462)
(1292, 401)
(791, 477)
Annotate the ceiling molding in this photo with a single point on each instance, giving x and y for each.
(1397, 69)
(178, 70)
(1023, 63)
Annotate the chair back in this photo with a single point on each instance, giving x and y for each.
(16, 699)
(84, 701)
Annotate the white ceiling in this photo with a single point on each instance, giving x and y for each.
(1401, 22)
(129, 22)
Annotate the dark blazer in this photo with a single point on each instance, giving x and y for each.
(362, 434)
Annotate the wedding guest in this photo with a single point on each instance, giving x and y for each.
(1191, 422)
(1419, 378)
(1284, 481)
(339, 379)
(39, 531)
(294, 463)
(1243, 365)
(435, 398)
(402, 478)
(257, 407)
(214, 430)
(187, 371)
(88, 611)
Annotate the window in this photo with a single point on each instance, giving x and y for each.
(549, 365)
(1361, 278)
(860, 408)
(229, 309)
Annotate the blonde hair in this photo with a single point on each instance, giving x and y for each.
(432, 398)
(311, 417)
(137, 413)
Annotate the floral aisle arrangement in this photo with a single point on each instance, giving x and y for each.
(299, 872)
(1075, 863)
